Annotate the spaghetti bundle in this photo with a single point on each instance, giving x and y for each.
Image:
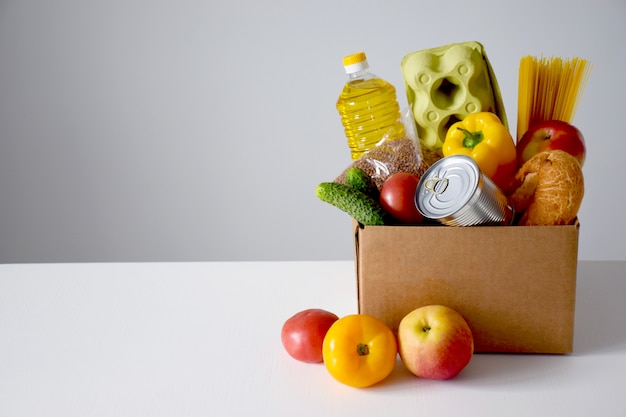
(549, 89)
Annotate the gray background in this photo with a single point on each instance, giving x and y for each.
(189, 130)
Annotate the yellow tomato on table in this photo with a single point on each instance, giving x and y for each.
(359, 350)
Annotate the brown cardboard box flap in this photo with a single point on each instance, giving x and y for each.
(515, 285)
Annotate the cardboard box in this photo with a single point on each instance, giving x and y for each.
(515, 285)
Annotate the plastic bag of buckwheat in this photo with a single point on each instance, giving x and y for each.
(394, 155)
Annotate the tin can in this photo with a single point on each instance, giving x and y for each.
(455, 192)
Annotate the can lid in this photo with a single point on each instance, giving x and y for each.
(355, 62)
(447, 186)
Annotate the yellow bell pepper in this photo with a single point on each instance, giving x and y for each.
(484, 138)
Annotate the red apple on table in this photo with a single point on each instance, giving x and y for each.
(551, 135)
(435, 342)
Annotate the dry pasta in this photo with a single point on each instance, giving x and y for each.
(549, 88)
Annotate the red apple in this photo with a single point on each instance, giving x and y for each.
(548, 136)
(303, 334)
(435, 342)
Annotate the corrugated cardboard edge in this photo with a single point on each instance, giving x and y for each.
(491, 340)
(355, 229)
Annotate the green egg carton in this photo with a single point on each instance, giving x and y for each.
(445, 84)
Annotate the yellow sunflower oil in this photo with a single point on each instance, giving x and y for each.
(368, 106)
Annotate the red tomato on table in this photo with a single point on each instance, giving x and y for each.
(303, 334)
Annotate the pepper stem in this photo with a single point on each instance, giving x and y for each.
(471, 139)
(362, 349)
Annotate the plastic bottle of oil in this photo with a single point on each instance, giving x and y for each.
(368, 107)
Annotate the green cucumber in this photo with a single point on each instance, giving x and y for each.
(357, 178)
(357, 204)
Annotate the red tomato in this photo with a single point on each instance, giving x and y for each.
(397, 197)
(303, 334)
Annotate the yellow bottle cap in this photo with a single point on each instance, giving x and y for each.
(354, 59)
(355, 62)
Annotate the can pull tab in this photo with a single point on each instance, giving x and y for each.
(436, 185)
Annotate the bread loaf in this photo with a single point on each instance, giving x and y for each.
(548, 189)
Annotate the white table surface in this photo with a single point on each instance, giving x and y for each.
(203, 339)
